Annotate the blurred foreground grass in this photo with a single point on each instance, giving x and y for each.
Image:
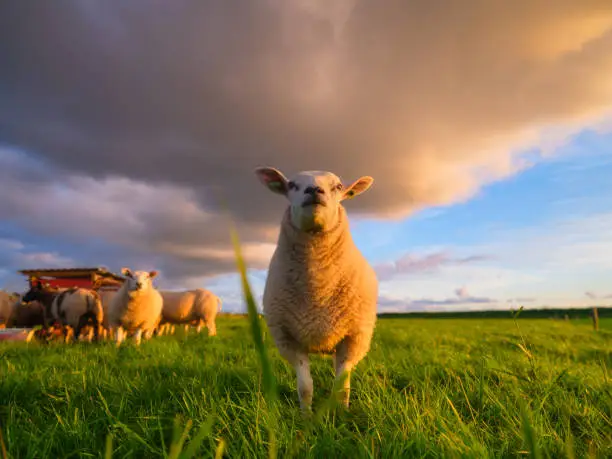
(428, 388)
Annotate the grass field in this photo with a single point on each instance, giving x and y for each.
(428, 388)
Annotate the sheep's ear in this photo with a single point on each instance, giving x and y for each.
(357, 187)
(152, 274)
(273, 179)
(126, 272)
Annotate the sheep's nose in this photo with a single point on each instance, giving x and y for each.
(138, 285)
(314, 190)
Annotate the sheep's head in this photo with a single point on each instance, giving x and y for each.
(138, 280)
(36, 292)
(314, 196)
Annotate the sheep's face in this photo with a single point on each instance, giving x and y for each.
(35, 293)
(137, 281)
(314, 196)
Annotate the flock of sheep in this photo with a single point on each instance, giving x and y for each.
(137, 308)
(320, 295)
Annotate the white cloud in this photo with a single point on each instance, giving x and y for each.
(551, 264)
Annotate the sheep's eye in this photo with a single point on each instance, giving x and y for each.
(293, 186)
(339, 186)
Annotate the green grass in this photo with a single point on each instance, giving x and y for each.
(428, 388)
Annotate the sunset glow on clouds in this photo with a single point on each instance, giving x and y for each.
(486, 128)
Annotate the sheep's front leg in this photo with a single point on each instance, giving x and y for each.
(138, 336)
(304, 381)
(212, 327)
(301, 364)
(68, 333)
(344, 362)
(119, 335)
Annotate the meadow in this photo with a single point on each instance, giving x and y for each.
(430, 387)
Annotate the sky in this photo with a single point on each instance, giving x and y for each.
(130, 139)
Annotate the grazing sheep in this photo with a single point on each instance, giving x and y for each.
(197, 306)
(45, 296)
(320, 294)
(26, 315)
(136, 307)
(76, 308)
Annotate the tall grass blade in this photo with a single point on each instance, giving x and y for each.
(530, 436)
(3, 446)
(269, 381)
(108, 451)
(220, 449)
(177, 444)
(194, 445)
(569, 446)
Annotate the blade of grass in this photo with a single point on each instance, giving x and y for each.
(529, 435)
(108, 453)
(3, 446)
(269, 381)
(220, 449)
(203, 432)
(177, 445)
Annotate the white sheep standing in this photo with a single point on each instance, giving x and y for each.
(136, 307)
(198, 305)
(320, 294)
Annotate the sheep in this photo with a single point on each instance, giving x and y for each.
(136, 307)
(320, 295)
(6, 308)
(74, 308)
(26, 315)
(197, 306)
(106, 297)
(45, 296)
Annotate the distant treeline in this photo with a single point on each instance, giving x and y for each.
(573, 313)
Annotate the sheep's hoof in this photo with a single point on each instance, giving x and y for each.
(306, 412)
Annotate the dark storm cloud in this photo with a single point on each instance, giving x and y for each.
(186, 97)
